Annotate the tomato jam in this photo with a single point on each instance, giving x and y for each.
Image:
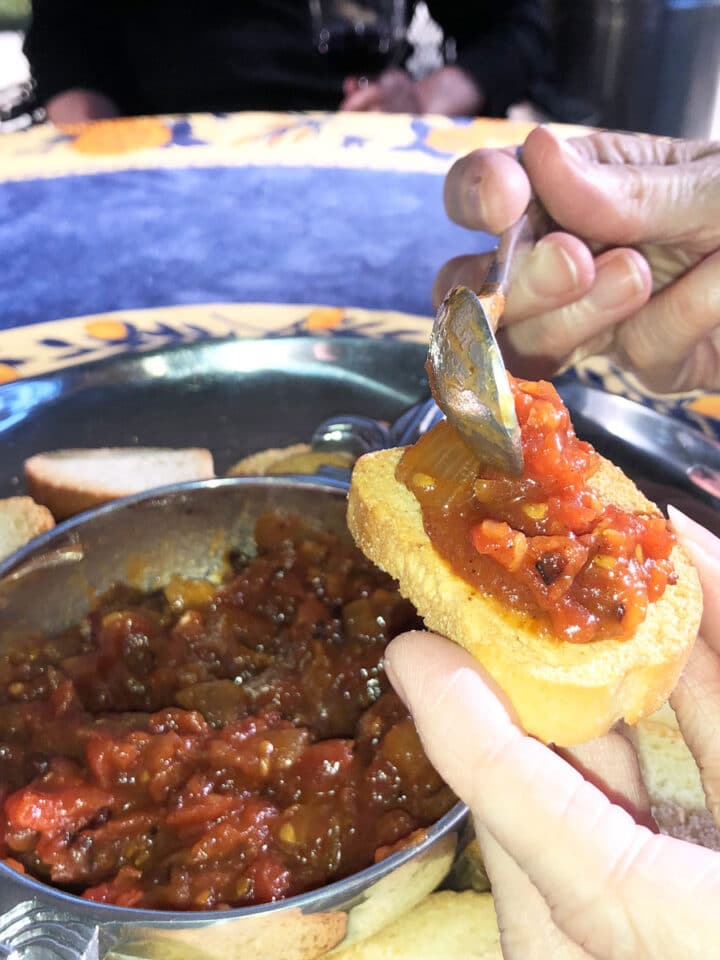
(542, 543)
(207, 747)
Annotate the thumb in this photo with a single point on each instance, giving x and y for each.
(364, 98)
(626, 195)
(606, 876)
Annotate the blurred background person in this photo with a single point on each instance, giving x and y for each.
(93, 59)
(643, 65)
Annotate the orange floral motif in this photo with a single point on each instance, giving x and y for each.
(122, 135)
(483, 132)
(7, 373)
(106, 329)
(324, 318)
(706, 406)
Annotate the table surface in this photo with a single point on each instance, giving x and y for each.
(129, 235)
(171, 214)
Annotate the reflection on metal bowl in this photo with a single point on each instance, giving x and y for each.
(188, 530)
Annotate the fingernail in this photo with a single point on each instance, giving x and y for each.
(688, 529)
(474, 198)
(551, 270)
(392, 676)
(618, 280)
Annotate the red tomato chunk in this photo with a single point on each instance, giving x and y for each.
(542, 543)
(203, 748)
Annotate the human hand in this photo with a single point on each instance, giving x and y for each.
(80, 106)
(449, 90)
(394, 91)
(575, 867)
(635, 271)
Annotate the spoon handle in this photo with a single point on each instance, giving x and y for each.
(519, 237)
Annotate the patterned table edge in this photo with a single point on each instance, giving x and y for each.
(47, 347)
(395, 142)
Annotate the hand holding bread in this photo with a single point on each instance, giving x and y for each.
(504, 591)
(566, 836)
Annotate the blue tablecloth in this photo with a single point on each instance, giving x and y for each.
(343, 210)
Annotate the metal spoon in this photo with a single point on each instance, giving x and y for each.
(467, 376)
(465, 367)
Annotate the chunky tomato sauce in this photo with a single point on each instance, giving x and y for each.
(542, 543)
(207, 747)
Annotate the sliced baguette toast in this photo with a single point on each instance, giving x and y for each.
(673, 782)
(298, 458)
(21, 519)
(444, 926)
(261, 463)
(70, 481)
(560, 692)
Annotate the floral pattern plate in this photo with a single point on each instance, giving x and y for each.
(238, 378)
(235, 378)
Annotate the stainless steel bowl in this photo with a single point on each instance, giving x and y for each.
(187, 530)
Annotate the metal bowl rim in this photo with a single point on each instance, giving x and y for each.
(339, 889)
(16, 559)
(336, 892)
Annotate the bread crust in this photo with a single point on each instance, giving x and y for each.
(298, 458)
(560, 692)
(21, 519)
(67, 481)
(260, 463)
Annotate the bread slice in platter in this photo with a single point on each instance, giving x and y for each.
(21, 519)
(70, 481)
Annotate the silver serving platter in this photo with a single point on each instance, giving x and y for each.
(240, 396)
(237, 397)
(233, 396)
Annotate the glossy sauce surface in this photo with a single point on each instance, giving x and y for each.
(205, 747)
(542, 543)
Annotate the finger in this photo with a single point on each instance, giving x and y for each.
(696, 698)
(350, 85)
(611, 146)
(392, 77)
(612, 765)
(559, 269)
(367, 97)
(470, 271)
(540, 345)
(704, 550)
(604, 878)
(616, 203)
(659, 340)
(527, 928)
(696, 702)
(486, 190)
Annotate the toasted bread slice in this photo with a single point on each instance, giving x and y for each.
(298, 458)
(560, 692)
(70, 481)
(444, 926)
(672, 778)
(262, 462)
(21, 519)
